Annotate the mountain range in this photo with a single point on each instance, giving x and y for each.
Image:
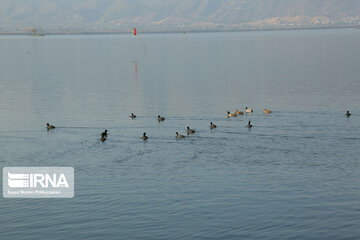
(173, 15)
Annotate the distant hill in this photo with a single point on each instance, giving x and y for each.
(174, 15)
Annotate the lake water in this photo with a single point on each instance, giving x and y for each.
(294, 175)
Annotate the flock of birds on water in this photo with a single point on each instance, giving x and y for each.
(188, 129)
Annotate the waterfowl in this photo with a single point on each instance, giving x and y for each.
(48, 126)
(237, 112)
(248, 110)
(249, 125)
(189, 131)
(348, 114)
(231, 114)
(102, 138)
(133, 115)
(104, 134)
(179, 135)
(212, 126)
(160, 119)
(267, 111)
(144, 137)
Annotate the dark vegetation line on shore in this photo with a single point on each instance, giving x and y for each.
(185, 31)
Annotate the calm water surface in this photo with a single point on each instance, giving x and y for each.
(294, 175)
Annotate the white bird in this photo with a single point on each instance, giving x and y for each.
(231, 114)
(248, 110)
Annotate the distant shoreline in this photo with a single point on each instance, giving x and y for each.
(177, 31)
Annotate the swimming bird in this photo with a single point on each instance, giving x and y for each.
(104, 134)
(160, 119)
(267, 111)
(103, 138)
(212, 126)
(248, 110)
(189, 131)
(179, 135)
(237, 112)
(48, 126)
(133, 115)
(144, 137)
(231, 114)
(249, 125)
(348, 114)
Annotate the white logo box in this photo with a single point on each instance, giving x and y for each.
(38, 182)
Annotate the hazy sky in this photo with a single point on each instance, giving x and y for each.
(121, 14)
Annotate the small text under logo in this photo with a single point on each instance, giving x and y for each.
(38, 182)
